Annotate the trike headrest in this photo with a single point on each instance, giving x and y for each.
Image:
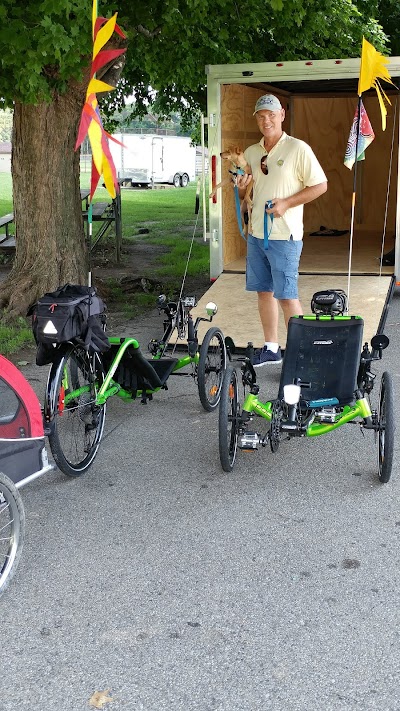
(329, 301)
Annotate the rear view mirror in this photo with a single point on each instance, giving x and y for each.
(379, 342)
(211, 308)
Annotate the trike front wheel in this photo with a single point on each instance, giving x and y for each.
(211, 368)
(12, 530)
(386, 428)
(229, 419)
(77, 422)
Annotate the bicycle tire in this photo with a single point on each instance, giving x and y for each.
(386, 428)
(211, 368)
(228, 427)
(12, 530)
(77, 422)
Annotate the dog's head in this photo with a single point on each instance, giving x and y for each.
(234, 154)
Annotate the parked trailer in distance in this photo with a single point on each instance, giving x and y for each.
(147, 159)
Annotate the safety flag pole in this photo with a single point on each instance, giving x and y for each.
(90, 206)
(372, 68)
(353, 200)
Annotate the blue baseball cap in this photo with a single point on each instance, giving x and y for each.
(268, 102)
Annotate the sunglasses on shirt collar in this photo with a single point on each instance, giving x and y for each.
(264, 165)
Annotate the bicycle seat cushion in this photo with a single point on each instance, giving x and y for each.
(326, 352)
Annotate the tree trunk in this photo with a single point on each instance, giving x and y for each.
(50, 236)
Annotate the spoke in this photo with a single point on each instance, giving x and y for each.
(5, 526)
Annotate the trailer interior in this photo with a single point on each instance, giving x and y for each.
(319, 111)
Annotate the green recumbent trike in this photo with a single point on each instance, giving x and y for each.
(326, 382)
(81, 380)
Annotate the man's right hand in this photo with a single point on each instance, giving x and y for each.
(244, 180)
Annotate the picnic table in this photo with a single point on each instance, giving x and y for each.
(109, 213)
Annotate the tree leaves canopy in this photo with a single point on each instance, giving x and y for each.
(44, 44)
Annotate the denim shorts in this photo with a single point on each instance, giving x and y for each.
(275, 269)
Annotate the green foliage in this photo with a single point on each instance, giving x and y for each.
(389, 16)
(46, 43)
(171, 42)
(14, 336)
(43, 45)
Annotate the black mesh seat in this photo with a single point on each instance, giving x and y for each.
(325, 352)
(135, 372)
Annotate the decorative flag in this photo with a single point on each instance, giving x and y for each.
(91, 124)
(365, 137)
(372, 68)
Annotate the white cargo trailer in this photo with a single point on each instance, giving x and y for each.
(147, 159)
(320, 98)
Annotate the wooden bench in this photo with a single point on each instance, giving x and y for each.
(7, 241)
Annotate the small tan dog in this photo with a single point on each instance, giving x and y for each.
(238, 162)
(236, 156)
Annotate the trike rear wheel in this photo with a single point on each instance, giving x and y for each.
(12, 530)
(77, 421)
(211, 368)
(386, 429)
(229, 419)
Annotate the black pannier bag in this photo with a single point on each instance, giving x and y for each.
(72, 313)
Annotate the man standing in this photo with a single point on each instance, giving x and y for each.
(286, 176)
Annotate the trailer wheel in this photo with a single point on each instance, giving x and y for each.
(184, 180)
(12, 527)
(177, 180)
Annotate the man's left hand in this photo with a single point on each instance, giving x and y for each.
(279, 207)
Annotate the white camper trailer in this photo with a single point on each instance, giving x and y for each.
(146, 159)
(320, 98)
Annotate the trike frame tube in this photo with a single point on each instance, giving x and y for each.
(252, 405)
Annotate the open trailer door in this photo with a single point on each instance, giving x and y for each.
(320, 98)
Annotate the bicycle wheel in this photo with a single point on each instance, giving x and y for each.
(12, 530)
(228, 425)
(211, 367)
(78, 423)
(386, 428)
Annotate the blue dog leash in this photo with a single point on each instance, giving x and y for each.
(239, 171)
(267, 231)
(268, 205)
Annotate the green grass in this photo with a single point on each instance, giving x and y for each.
(168, 214)
(6, 205)
(14, 337)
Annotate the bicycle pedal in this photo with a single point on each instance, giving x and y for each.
(249, 441)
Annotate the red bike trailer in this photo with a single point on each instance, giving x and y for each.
(23, 457)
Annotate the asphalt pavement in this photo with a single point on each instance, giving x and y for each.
(179, 587)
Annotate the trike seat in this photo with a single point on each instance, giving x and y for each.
(137, 373)
(325, 352)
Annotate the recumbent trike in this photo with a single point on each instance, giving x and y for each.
(83, 375)
(326, 382)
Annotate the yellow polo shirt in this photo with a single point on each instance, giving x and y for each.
(292, 166)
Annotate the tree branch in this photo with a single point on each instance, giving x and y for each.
(147, 33)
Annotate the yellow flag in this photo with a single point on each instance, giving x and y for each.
(372, 68)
